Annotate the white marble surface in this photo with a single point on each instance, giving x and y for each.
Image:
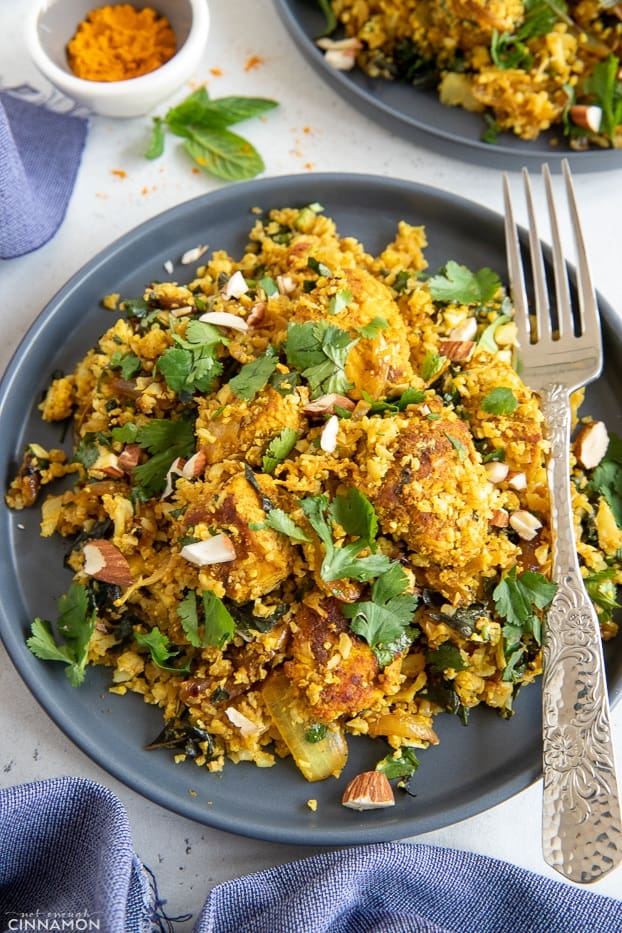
(313, 130)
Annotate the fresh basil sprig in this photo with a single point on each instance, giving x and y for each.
(203, 124)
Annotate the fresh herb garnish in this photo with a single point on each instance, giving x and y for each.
(203, 124)
(384, 620)
(604, 88)
(280, 521)
(400, 764)
(206, 624)
(319, 351)
(128, 363)
(517, 600)
(395, 405)
(316, 733)
(457, 284)
(165, 440)
(254, 376)
(445, 657)
(499, 401)
(355, 514)
(371, 330)
(508, 50)
(278, 449)
(159, 646)
(339, 301)
(75, 623)
(192, 364)
(606, 478)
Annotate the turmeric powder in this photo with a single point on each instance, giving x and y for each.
(114, 43)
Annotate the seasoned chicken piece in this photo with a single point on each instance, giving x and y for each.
(429, 487)
(336, 671)
(228, 426)
(264, 558)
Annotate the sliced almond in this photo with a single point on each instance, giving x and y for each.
(496, 471)
(326, 404)
(525, 524)
(500, 518)
(256, 313)
(457, 349)
(465, 330)
(328, 437)
(216, 550)
(517, 480)
(590, 445)
(104, 561)
(191, 255)
(285, 284)
(341, 59)
(129, 457)
(235, 287)
(175, 469)
(224, 319)
(242, 722)
(195, 465)
(369, 790)
(588, 117)
(349, 43)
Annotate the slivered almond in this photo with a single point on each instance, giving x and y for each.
(516, 480)
(465, 330)
(224, 319)
(285, 284)
(216, 550)
(235, 286)
(326, 404)
(104, 561)
(590, 445)
(496, 471)
(457, 349)
(256, 313)
(328, 437)
(369, 790)
(525, 524)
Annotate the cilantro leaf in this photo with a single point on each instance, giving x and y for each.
(342, 561)
(604, 87)
(192, 364)
(160, 649)
(318, 267)
(188, 616)
(166, 440)
(219, 623)
(444, 657)
(455, 283)
(603, 591)
(316, 733)
(340, 301)
(487, 339)
(431, 366)
(356, 515)
(128, 363)
(76, 623)
(254, 376)
(278, 449)
(280, 521)
(384, 620)
(516, 599)
(394, 405)
(371, 330)
(500, 401)
(319, 351)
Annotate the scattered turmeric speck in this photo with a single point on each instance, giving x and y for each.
(118, 172)
(309, 166)
(253, 62)
(217, 72)
(307, 130)
(195, 171)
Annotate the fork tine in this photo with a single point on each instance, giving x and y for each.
(515, 267)
(565, 322)
(588, 306)
(542, 308)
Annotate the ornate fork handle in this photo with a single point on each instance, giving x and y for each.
(581, 807)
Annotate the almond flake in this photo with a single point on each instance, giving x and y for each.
(224, 319)
(191, 255)
(244, 724)
(235, 286)
(591, 444)
(326, 404)
(168, 267)
(195, 465)
(457, 349)
(175, 469)
(216, 550)
(328, 437)
(285, 284)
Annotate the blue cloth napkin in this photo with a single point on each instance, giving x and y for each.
(66, 852)
(40, 152)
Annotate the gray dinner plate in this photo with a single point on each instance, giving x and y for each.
(418, 114)
(474, 767)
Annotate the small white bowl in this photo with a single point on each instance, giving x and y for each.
(52, 23)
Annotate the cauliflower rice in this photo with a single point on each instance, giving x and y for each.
(309, 501)
(525, 65)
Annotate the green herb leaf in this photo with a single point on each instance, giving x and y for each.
(156, 143)
(371, 330)
(254, 376)
(160, 649)
(319, 351)
(457, 284)
(339, 301)
(269, 286)
(280, 521)
(219, 623)
(394, 405)
(76, 623)
(318, 267)
(604, 87)
(383, 621)
(444, 658)
(128, 363)
(278, 449)
(224, 154)
(356, 515)
(166, 440)
(431, 366)
(500, 401)
(188, 616)
(316, 732)
(516, 599)
(487, 339)
(329, 14)
(222, 111)
(400, 764)
(457, 444)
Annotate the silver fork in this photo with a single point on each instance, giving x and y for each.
(581, 822)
